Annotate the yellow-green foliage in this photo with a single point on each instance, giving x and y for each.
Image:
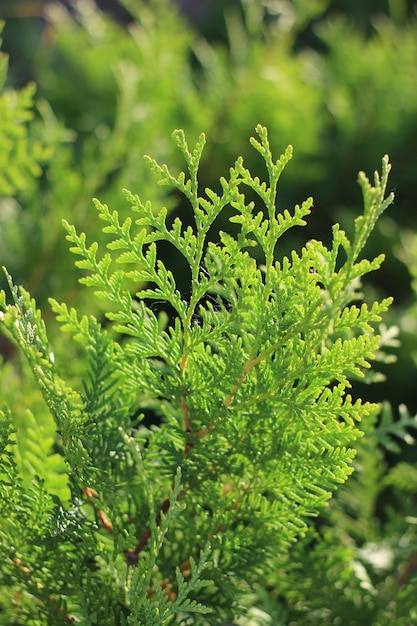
(202, 416)
(20, 158)
(249, 380)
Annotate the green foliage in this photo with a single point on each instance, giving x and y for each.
(105, 94)
(362, 553)
(247, 375)
(104, 97)
(20, 159)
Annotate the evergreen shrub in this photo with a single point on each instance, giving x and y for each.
(187, 450)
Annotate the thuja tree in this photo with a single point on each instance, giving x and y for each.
(172, 520)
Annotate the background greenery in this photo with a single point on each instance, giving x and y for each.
(92, 91)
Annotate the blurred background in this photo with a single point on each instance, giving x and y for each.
(103, 82)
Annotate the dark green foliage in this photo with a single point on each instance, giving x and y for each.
(249, 379)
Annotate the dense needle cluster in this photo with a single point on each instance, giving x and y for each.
(172, 522)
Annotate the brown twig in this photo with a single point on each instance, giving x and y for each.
(106, 523)
(133, 555)
(188, 428)
(408, 571)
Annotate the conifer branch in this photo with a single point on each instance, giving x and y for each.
(248, 382)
